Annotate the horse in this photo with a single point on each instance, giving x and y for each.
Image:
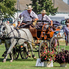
(10, 32)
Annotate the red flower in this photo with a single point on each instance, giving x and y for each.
(50, 59)
(44, 52)
(52, 52)
(45, 58)
(48, 51)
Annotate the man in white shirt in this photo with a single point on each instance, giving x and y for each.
(28, 15)
(43, 16)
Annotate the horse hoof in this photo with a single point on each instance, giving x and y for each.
(11, 60)
(29, 55)
(34, 57)
(4, 60)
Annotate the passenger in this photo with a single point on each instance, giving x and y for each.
(8, 22)
(18, 25)
(43, 16)
(28, 15)
(66, 31)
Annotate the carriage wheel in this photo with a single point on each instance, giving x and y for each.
(15, 53)
(54, 43)
(43, 47)
(23, 53)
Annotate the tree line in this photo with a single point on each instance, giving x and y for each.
(7, 7)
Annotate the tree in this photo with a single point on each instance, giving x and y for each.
(39, 5)
(7, 7)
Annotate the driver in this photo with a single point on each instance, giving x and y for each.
(28, 15)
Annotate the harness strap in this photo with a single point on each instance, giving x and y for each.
(25, 33)
(18, 32)
(7, 38)
(12, 31)
(18, 36)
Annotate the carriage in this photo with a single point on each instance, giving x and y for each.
(47, 42)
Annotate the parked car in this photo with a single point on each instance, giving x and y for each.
(63, 22)
(57, 18)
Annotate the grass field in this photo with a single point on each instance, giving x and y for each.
(27, 63)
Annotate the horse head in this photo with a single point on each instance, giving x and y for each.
(4, 28)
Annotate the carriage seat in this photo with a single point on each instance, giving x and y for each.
(33, 32)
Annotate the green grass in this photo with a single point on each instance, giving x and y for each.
(27, 63)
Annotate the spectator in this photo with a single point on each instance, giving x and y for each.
(66, 31)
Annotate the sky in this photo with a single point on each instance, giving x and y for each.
(65, 1)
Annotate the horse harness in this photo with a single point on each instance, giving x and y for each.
(19, 35)
(4, 37)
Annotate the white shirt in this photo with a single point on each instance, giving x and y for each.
(26, 15)
(45, 17)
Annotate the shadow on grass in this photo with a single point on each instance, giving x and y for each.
(1, 59)
(25, 60)
(43, 66)
(56, 66)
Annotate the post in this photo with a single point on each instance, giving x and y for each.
(68, 37)
(17, 7)
(0, 16)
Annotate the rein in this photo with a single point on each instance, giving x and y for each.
(10, 31)
(7, 38)
(15, 38)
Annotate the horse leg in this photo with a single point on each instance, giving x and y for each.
(9, 50)
(6, 47)
(7, 44)
(32, 51)
(25, 45)
(11, 56)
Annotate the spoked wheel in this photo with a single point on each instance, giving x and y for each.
(23, 53)
(54, 43)
(43, 47)
(15, 53)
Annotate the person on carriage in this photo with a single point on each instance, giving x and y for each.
(8, 22)
(43, 16)
(18, 24)
(28, 16)
(11, 23)
(66, 32)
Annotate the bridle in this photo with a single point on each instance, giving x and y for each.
(2, 29)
